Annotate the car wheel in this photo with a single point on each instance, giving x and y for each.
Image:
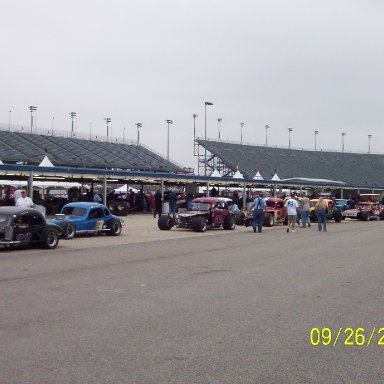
(50, 239)
(269, 220)
(240, 218)
(70, 231)
(199, 224)
(112, 206)
(114, 227)
(165, 223)
(337, 216)
(229, 223)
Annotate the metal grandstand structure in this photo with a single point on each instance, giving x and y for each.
(349, 167)
(19, 145)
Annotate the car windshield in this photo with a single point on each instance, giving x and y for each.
(270, 204)
(313, 203)
(341, 201)
(200, 206)
(74, 211)
(3, 220)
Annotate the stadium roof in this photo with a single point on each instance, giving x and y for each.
(350, 168)
(28, 148)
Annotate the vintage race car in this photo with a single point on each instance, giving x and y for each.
(332, 211)
(365, 211)
(27, 226)
(341, 204)
(275, 213)
(205, 213)
(87, 218)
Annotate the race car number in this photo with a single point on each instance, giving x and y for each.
(99, 224)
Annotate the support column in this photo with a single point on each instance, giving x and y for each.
(30, 185)
(245, 196)
(207, 189)
(105, 190)
(341, 193)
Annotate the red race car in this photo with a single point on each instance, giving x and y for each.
(365, 211)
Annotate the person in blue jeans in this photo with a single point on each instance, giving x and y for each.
(305, 210)
(258, 213)
(321, 212)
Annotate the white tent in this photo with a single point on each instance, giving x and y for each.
(46, 162)
(125, 189)
(275, 177)
(258, 176)
(215, 173)
(238, 175)
(1, 162)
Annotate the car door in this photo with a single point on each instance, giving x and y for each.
(219, 213)
(22, 230)
(96, 218)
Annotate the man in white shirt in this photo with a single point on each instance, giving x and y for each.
(24, 201)
(291, 205)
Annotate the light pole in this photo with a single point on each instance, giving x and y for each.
(73, 115)
(53, 125)
(205, 135)
(32, 109)
(342, 141)
(369, 143)
(107, 120)
(90, 130)
(219, 120)
(266, 135)
(241, 133)
(194, 127)
(289, 137)
(138, 125)
(123, 135)
(9, 121)
(316, 133)
(168, 122)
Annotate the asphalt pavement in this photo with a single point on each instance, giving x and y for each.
(223, 307)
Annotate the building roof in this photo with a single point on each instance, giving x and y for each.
(28, 148)
(350, 168)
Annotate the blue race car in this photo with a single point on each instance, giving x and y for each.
(87, 218)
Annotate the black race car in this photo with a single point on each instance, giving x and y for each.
(27, 226)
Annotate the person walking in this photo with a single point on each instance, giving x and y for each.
(24, 201)
(321, 212)
(291, 205)
(304, 209)
(158, 203)
(172, 199)
(259, 205)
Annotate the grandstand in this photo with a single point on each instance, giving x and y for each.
(30, 149)
(351, 168)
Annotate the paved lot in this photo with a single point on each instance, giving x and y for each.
(181, 307)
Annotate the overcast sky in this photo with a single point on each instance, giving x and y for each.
(306, 64)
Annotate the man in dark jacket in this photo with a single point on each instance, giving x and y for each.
(158, 203)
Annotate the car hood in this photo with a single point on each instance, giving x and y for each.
(68, 218)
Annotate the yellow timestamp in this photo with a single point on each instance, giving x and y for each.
(347, 336)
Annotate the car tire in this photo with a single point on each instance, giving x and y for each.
(114, 227)
(269, 220)
(121, 206)
(165, 223)
(112, 206)
(70, 231)
(199, 224)
(229, 223)
(364, 216)
(50, 238)
(337, 216)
